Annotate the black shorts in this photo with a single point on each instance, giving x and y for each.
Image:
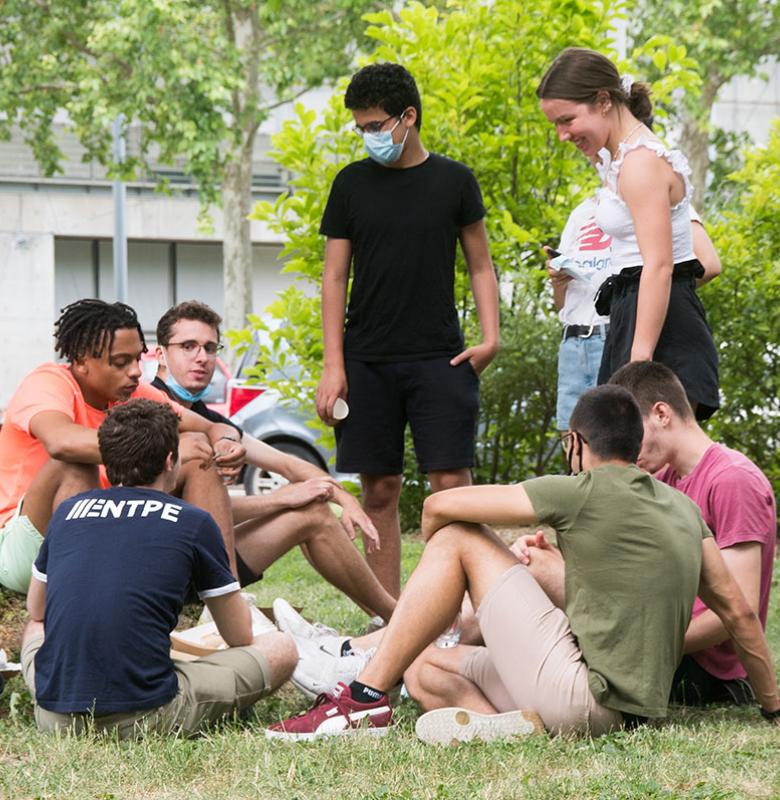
(246, 576)
(440, 402)
(685, 343)
(694, 686)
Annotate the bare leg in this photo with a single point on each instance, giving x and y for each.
(368, 640)
(380, 500)
(549, 570)
(448, 479)
(327, 546)
(434, 681)
(204, 489)
(469, 627)
(280, 654)
(456, 558)
(56, 481)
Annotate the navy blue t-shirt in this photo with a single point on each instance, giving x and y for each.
(117, 564)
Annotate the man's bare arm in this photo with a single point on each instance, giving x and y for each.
(335, 276)
(229, 452)
(36, 599)
(232, 618)
(744, 563)
(308, 483)
(489, 505)
(64, 439)
(721, 593)
(473, 240)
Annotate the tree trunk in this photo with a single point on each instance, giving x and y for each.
(695, 145)
(696, 139)
(237, 242)
(243, 27)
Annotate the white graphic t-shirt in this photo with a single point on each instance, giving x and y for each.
(589, 246)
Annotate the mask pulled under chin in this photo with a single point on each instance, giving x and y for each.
(182, 393)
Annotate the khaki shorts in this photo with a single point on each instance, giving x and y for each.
(20, 542)
(210, 688)
(531, 660)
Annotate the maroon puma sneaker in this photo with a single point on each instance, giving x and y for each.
(335, 714)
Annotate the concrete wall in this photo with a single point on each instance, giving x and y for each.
(55, 247)
(88, 212)
(750, 105)
(26, 305)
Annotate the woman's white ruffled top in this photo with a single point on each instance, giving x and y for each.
(614, 217)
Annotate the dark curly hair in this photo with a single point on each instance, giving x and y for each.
(87, 328)
(579, 74)
(135, 439)
(189, 309)
(386, 86)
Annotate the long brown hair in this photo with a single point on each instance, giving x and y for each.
(579, 74)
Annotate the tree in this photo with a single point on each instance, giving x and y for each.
(727, 38)
(198, 77)
(742, 305)
(477, 66)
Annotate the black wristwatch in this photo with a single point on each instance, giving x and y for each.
(770, 715)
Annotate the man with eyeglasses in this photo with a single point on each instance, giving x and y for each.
(48, 442)
(267, 526)
(395, 353)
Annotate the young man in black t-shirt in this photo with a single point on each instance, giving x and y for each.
(396, 352)
(107, 588)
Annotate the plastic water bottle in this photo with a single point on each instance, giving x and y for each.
(450, 637)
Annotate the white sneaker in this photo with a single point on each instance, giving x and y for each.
(290, 621)
(453, 725)
(318, 671)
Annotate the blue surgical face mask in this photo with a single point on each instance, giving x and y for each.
(178, 389)
(182, 393)
(381, 148)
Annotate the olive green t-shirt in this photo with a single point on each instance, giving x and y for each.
(632, 547)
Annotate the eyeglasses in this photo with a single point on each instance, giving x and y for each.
(567, 440)
(375, 126)
(192, 348)
(566, 437)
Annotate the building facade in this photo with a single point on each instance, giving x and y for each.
(56, 246)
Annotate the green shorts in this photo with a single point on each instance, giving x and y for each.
(19, 546)
(210, 688)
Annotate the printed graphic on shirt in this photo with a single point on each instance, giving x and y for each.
(123, 509)
(583, 241)
(591, 239)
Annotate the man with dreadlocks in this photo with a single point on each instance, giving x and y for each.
(48, 442)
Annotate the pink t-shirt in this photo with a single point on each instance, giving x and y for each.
(738, 505)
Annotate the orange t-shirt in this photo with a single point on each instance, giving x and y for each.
(50, 387)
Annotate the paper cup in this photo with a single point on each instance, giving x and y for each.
(340, 409)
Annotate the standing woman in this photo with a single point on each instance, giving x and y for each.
(644, 205)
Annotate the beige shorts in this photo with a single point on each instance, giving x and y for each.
(210, 688)
(531, 660)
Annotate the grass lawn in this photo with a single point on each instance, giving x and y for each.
(714, 754)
